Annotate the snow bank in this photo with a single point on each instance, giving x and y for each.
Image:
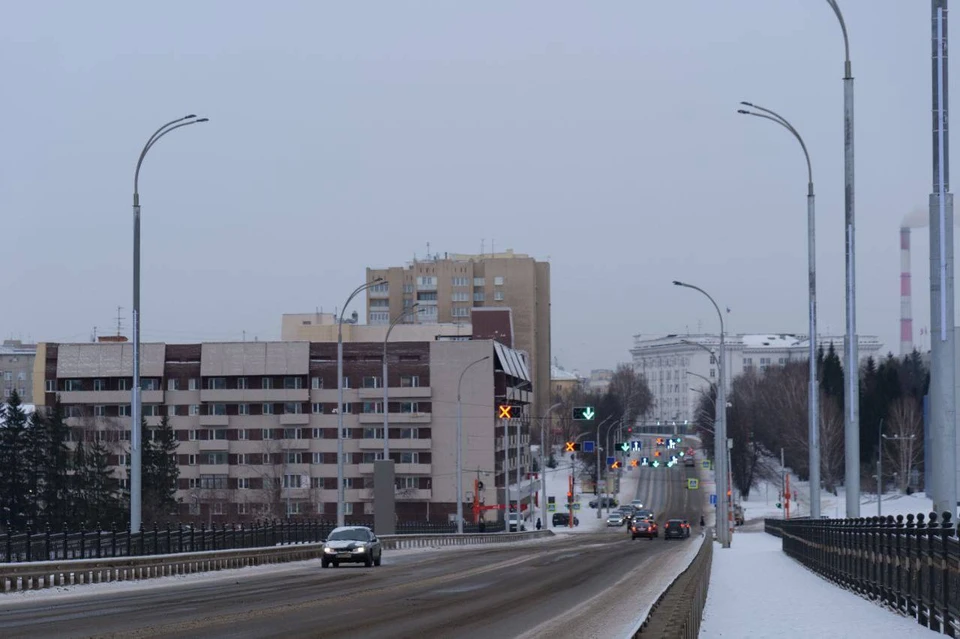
(756, 591)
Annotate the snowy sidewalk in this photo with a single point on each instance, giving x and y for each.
(757, 591)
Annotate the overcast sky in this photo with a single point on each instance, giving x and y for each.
(601, 136)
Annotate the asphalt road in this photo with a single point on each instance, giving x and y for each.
(510, 590)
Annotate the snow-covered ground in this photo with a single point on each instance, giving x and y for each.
(763, 500)
(756, 591)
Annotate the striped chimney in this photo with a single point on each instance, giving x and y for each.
(906, 304)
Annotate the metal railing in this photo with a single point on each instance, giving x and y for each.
(677, 613)
(45, 574)
(910, 565)
(48, 545)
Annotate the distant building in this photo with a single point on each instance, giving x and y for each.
(455, 288)
(599, 380)
(16, 369)
(257, 424)
(563, 383)
(678, 371)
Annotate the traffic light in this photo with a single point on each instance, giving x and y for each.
(506, 411)
(584, 413)
(615, 465)
(623, 446)
(629, 429)
(634, 462)
(569, 497)
(656, 453)
(659, 441)
(571, 447)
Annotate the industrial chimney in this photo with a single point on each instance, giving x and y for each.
(906, 304)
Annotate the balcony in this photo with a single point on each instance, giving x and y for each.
(214, 420)
(214, 445)
(413, 469)
(372, 418)
(295, 419)
(397, 444)
(410, 392)
(294, 444)
(402, 494)
(109, 397)
(254, 396)
(370, 393)
(410, 418)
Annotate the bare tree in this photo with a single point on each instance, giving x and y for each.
(904, 451)
(632, 390)
(831, 443)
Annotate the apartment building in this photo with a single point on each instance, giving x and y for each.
(453, 287)
(16, 369)
(257, 421)
(679, 368)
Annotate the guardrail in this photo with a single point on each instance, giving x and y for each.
(48, 545)
(677, 613)
(45, 574)
(911, 566)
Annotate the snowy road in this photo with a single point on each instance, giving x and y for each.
(589, 584)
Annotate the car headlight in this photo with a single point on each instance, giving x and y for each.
(328, 549)
(360, 548)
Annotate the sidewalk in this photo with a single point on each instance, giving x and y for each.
(757, 591)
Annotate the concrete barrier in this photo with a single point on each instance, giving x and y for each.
(46, 574)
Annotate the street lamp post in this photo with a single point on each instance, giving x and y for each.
(851, 420)
(135, 400)
(460, 447)
(543, 464)
(597, 448)
(341, 514)
(386, 385)
(720, 437)
(889, 438)
(813, 419)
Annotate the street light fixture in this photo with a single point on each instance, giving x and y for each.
(386, 386)
(460, 448)
(136, 491)
(813, 429)
(341, 514)
(720, 439)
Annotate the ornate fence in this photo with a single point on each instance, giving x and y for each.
(909, 564)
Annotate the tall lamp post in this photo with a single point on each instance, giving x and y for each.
(720, 437)
(341, 514)
(813, 419)
(136, 403)
(543, 463)
(851, 419)
(460, 445)
(386, 386)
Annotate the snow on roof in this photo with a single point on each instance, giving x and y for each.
(558, 374)
(766, 340)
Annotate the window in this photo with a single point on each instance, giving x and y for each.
(123, 460)
(409, 458)
(293, 433)
(426, 281)
(478, 281)
(194, 410)
(409, 433)
(427, 297)
(241, 459)
(317, 408)
(213, 482)
(216, 409)
(368, 508)
(478, 296)
(98, 384)
(409, 407)
(348, 482)
(243, 409)
(348, 508)
(292, 383)
(713, 373)
(379, 318)
(382, 287)
(123, 410)
(193, 384)
(294, 508)
(216, 508)
(292, 481)
(369, 458)
(713, 359)
(243, 434)
(460, 296)
(460, 311)
(151, 410)
(171, 410)
(294, 458)
(151, 384)
(216, 383)
(219, 434)
(173, 384)
(266, 383)
(50, 386)
(242, 509)
(317, 459)
(213, 459)
(461, 281)
(266, 433)
(100, 411)
(373, 433)
(316, 383)
(194, 506)
(292, 408)
(371, 382)
(498, 296)
(498, 280)
(405, 483)
(372, 407)
(242, 383)
(317, 434)
(268, 409)
(408, 288)
(192, 435)
(346, 382)
(409, 381)
(69, 385)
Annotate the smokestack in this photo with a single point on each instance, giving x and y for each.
(906, 302)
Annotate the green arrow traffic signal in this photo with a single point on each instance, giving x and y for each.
(625, 447)
(584, 413)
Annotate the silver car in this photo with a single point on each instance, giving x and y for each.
(616, 519)
(351, 544)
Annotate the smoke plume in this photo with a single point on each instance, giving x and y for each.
(918, 218)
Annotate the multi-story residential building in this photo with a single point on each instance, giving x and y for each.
(257, 421)
(678, 367)
(16, 369)
(452, 288)
(599, 380)
(563, 383)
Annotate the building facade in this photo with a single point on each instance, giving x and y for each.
(16, 369)
(679, 368)
(452, 288)
(257, 421)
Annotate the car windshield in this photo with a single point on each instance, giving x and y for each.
(674, 523)
(354, 534)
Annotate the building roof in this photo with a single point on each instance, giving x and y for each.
(16, 347)
(557, 374)
(766, 340)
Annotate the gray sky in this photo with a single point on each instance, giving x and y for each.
(600, 136)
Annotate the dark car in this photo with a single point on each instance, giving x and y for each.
(563, 519)
(644, 528)
(351, 544)
(604, 502)
(676, 529)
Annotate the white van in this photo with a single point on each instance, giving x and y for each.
(515, 523)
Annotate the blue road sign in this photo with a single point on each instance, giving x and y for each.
(713, 499)
(610, 460)
(636, 446)
(588, 447)
(644, 461)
